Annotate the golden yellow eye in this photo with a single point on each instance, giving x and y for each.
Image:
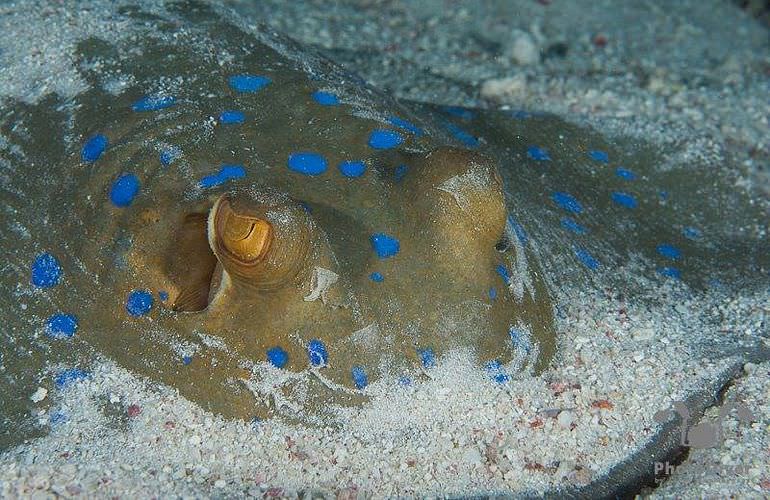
(246, 238)
(262, 242)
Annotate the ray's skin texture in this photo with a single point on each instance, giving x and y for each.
(311, 189)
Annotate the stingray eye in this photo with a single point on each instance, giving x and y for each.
(245, 238)
(464, 193)
(262, 240)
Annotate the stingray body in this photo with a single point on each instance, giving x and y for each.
(230, 220)
(250, 224)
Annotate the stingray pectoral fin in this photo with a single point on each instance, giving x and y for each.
(263, 241)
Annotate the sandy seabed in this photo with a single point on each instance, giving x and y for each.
(459, 432)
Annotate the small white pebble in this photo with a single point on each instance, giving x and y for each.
(39, 395)
(340, 453)
(472, 456)
(565, 419)
(643, 334)
(523, 50)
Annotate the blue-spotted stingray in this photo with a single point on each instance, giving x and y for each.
(228, 214)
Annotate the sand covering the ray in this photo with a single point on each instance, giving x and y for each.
(455, 433)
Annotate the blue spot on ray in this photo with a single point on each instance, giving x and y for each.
(669, 251)
(377, 277)
(69, 377)
(57, 418)
(307, 163)
(385, 139)
(496, 371)
(538, 154)
(316, 353)
(519, 339)
(124, 190)
(325, 98)
(567, 202)
(60, 326)
(93, 148)
(400, 172)
(358, 375)
(139, 302)
(163, 295)
(586, 258)
(624, 199)
(502, 271)
(277, 357)
(427, 357)
(248, 83)
(405, 125)
(570, 224)
(226, 172)
(46, 271)
(352, 168)
(670, 272)
(599, 156)
(169, 155)
(492, 293)
(232, 117)
(461, 135)
(625, 174)
(692, 233)
(384, 245)
(153, 103)
(186, 360)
